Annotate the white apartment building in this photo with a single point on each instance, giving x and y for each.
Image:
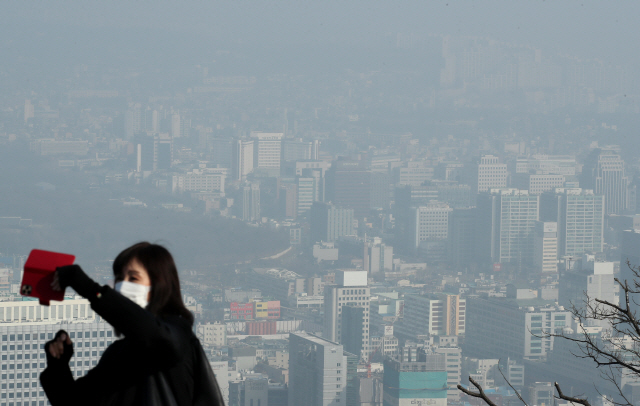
(25, 327)
(413, 173)
(553, 164)
(268, 151)
(200, 180)
(545, 247)
(431, 222)
(350, 289)
(453, 365)
(433, 315)
(212, 334)
(538, 183)
(242, 162)
(491, 173)
(317, 371)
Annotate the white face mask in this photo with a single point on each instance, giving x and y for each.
(135, 292)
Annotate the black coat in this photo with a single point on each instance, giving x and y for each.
(125, 373)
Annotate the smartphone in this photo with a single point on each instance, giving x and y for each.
(38, 275)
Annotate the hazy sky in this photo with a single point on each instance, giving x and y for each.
(585, 28)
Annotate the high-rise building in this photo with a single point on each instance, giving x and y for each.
(242, 162)
(352, 328)
(29, 110)
(462, 237)
(505, 228)
(491, 174)
(175, 125)
(453, 367)
(199, 180)
(594, 281)
(379, 256)
(248, 205)
(604, 172)
(25, 327)
(299, 150)
(267, 152)
(431, 222)
(154, 152)
(222, 152)
(432, 315)
(350, 290)
(413, 173)
(422, 381)
(349, 186)
(519, 334)
(551, 164)
(380, 194)
(310, 189)
(133, 120)
(545, 246)
(579, 214)
(630, 261)
(329, 222)
(538, 183)
(318, 371)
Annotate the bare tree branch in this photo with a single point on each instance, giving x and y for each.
(480, 394)
(562, 396)
(511, 386)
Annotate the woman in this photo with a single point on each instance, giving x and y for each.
(158, 362)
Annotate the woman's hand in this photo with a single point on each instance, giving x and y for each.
(60, 348)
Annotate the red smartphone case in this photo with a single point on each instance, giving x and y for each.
(38, 275)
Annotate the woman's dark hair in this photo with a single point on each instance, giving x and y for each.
(166, 298)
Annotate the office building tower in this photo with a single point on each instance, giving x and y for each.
(379, 256)
(175, 125)
(594, 281)
(29, 110)
(349, 186)
(630, 257)
(538, 183)
(491, 174)
(222, 150)
(453, 367)
(432, 315)
(462, 237)
(431, 222)
(505, 228)
(519, 335)
(253, 390)
(289, 200)
(25, 327)
(604, 172)
(545, 246)
(299, 150)
(310, 190)
(457, 196)
(416, 382)
(551, 164)
(267, 152)
(154, 152)
(200, 180)
(317, 371)
(352, 328)
(133, 121)
(413, 173)
(350, 290)
(242, 162)
(329, 222)
(249, 202)
(380, 194)
(579, 214)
